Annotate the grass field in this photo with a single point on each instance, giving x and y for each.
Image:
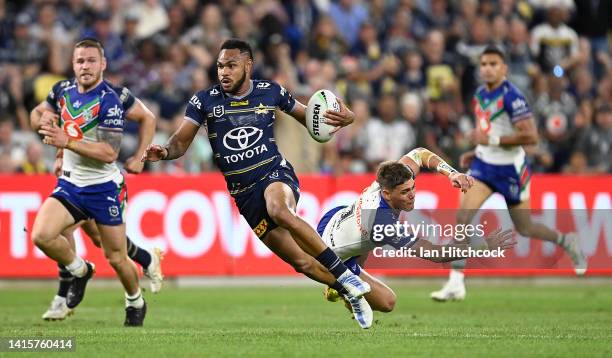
(496, 320)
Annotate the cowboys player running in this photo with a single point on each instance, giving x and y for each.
(504, 124)
(238, 115)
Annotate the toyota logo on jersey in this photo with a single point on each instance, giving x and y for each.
(242, 138)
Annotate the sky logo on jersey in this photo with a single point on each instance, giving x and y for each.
(115, 111)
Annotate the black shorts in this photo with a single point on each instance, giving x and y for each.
(252, 204)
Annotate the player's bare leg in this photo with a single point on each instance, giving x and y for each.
(149, 261)
(521, 218)
(114, 245)
(304, 241)
(280, 204)
(470, 202)
(58, 310)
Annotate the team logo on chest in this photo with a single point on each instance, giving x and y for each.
(218, 111)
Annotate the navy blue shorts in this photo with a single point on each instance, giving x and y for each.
(105, 202)
(511, 180)
(351, 263)
(252, 204)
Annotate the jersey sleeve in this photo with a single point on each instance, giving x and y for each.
(195, 110)
(126, 97)
(54, 94)
(285, 102)
(111, 115)
(516, 105)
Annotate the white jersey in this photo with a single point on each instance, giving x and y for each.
(82, 115)
(349, 231)
(496, 113)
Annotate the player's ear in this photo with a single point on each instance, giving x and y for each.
(249, 65)
(103, 63)
(386, 194)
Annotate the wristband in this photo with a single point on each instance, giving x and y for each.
(494, 140)
(444, 168)
(167, 153)
(69, 145)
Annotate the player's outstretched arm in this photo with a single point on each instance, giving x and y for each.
(141, 114)
(176, 146)
(423, 158)
(496, 239)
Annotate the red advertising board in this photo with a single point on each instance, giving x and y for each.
(194, 220)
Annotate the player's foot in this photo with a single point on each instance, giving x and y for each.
(76, 292)
(134, 317)
(361, 311)
(355, 286)
(571, 245)
(453, 290)
(154, 272)
(57, 310)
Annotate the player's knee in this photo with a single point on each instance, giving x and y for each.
(41, 238)
(280, 213)
(302, 265)
(388, 303)
(115, 258)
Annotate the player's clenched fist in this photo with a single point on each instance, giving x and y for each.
(461, 181)
(154, 153)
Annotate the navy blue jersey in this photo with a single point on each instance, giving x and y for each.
(241, 130)
(125, 96)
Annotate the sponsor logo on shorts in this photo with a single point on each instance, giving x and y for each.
(261, 228)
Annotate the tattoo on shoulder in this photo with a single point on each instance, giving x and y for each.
(111, 137)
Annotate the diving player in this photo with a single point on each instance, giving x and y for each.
(350, 230)
(504, 124)
(135, 110)
(91, 185)
(238, 115)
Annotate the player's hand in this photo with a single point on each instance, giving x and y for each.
(466, 159)
(133, 165)
(479, 137)
(501, 239)
(48, 118)
(461, 181)
(54, 135)
(339, 119)
(154, 153)
(57, 166)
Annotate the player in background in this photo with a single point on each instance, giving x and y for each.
(504, 123)
(238, 115)
(351, 230)
(91, 185)
(47, 112)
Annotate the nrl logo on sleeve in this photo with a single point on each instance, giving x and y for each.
(218, 111)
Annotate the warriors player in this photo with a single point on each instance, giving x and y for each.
(238, 115)
(91, 185)
(504, 124)
(47, 112)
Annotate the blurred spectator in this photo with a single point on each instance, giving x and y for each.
(325, 42)
(597, 140)
(554, 43)
(593, 19)
(386, 137)
(103, 32)
(169, 98)
(153, 17)
(7, 166)
(33, 162)
(172, 34)
(438, 68)
(9, 141)
(411, 106)
(443, 134)
(350, 144)
(348, 16)
(521, 67)
(204, 39)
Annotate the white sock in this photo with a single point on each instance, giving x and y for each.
(59, 298)
(77, 267)
(135, 300)
(456, 276)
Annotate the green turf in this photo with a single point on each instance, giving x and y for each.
(525, 320)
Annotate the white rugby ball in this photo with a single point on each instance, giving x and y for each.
(319, 102)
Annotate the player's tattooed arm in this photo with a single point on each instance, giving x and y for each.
(111, 137)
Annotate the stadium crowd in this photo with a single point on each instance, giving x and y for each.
(407, 68)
